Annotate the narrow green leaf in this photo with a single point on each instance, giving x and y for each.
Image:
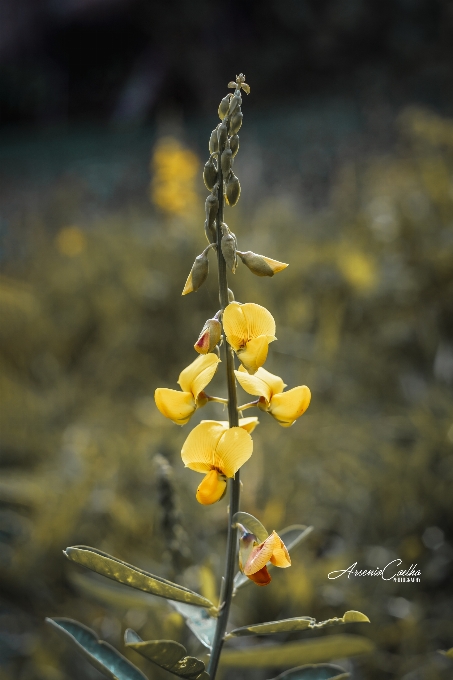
(198, 621)
(325, 671)
(448, 653)
(295, 653)
(283, 626)
(112, 594)
(291, 537)
(292, 625)
(166, 654)
(99, 653)
(115, 569)
(252, 525)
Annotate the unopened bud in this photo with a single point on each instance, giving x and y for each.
(211, 206)
(236, 121)
(232, 189)
(209, 337)
(224, 106)
(213, 141)
(228, 245)
(235, 103)
(198, 273)
(234, 144)
(210, 231)
(210, 174)
(226, 159)
(260, 265)
(222, 134)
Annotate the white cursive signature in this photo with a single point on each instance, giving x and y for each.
(385, 575)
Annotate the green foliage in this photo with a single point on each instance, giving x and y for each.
(303, 652)
(319, 672)
(198, 621)
(99, 653)
(119, 571)
(299, 623)
(167, 654)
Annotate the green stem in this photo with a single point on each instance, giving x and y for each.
(231, 549)
(251, 404)
(217, 400)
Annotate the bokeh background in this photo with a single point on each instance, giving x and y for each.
(346, 167)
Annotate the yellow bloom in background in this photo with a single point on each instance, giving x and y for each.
(271, 550)
(285, 407)
(217, 451)
(249, 329)
(175, 170)
(180, 406)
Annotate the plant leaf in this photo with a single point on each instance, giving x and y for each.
(296, 653)
(252, 525)
(100, 654)
(111, 567)
(285, 625)
(198, 621)
(166, 654)
(112, 594)
(299, 623)
(325, 671)
(291, 537)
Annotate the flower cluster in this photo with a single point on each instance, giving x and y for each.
(217, 449)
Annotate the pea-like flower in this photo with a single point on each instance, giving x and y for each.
(249, 329)
(179, 406)
(218, 451)
(285, 407)
(253, 557)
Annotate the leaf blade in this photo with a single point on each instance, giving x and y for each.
(167, 654)
(198, 621)
(252, 525)
(296, 624)
(296, 653)
(100, 654)
(128, 575)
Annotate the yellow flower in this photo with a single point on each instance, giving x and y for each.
(271, 550)
(180, 406)
(218, 451)
(285, 407)
(249, 329)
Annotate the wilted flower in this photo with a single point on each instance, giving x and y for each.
(217, 451)
(285, 407)
(180, 406)
(249, 329)
(254, 556)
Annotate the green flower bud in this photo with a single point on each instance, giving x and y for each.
(209, 337)
(235, 104)
(234, 144)
(210, 174)
(226, 159)
(210, 231)
(224, 106)
(198, 273)
(232, 189)
(213, 141)
(211, 206)
(236, 121)
(261, 265)
(222, 134)
(228, 245)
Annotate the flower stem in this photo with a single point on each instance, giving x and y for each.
(217, 400)
(251, 404)
(231, 549)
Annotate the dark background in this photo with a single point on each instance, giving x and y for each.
(346, 168)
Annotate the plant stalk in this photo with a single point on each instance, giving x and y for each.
(234, 484)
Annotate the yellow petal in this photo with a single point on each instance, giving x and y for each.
(259, 320)
(178, 406)
(247, 424)
(262, 384)
(188, 287)
(255, 353)
(290, 405)
(235, 325)
(198, 374)
(198, 451)
(280, 556)
(261, 555)
(275, 265)
(233, 449)
(212, 488)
